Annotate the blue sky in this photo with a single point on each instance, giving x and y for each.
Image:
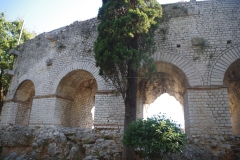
(46, 15)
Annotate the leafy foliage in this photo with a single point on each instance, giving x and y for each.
(9, 34)
(124, 47)
(154, 137)
(203, 43)
(125, 39)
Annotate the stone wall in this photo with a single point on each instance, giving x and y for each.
(109, 110)
(84, 101)
(63, 106)
(42, 111)
(207, 111)
(232, 80)
(20, 142)
(23, 113)
(9, 113)
(198, 40)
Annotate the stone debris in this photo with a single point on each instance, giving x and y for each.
(22, 143)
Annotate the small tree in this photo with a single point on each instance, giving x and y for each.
(154, 137)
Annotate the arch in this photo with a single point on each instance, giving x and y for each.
(232, 80)
(25, 77)
(168, 79)
(221, 64)
(23, 98)
(75, 98)
(183, 64)
(82, 65)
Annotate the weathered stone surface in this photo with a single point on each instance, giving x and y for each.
(64, 93)
(62, 143)
(104, 144)
(12, 156)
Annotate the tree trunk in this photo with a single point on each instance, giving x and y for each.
(130, 110)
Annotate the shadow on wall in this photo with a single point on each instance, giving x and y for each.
(75, 100)
(232, 80)
(23, 98)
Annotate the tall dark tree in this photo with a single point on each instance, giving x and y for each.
(9, 35)
(124, 47)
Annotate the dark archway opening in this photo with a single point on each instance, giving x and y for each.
(24, 97)
(232, 80)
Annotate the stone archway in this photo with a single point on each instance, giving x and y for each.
(23, 97)
(169, 79)
(75, 97)
(221, 64)
(232, 80)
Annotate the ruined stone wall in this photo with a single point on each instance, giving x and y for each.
(232, 80)
(42, 111)
(200, 39)
(196, 44)
(75, 144)
(84, 101)
(63, 106)
(109, 110)
(9, 113)
(207, 111)
(23, 113)
(217, 22)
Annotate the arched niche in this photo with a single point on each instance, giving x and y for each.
(168, 79)
(75, 99)
(23, 97)
(232, 80)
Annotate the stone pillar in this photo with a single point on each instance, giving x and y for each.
(145, 110)
(62, 112)
(109, 110)
(42, 113)
(140, 106)
(206, 111)
(9, 112)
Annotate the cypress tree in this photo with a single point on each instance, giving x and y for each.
(124, 47)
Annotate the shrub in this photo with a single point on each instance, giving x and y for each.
(155, 137)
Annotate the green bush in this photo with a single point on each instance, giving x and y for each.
(154, 137)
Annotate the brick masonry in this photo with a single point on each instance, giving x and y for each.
(61, 98)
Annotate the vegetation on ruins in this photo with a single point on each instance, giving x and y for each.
(201, 43)
(155, 137)
(10, 31)
(124, 46)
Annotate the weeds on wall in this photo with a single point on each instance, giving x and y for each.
(61, 47)
(163, 32)
(203, 44)
(89, 51)
(85, 32)
(199, 45)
